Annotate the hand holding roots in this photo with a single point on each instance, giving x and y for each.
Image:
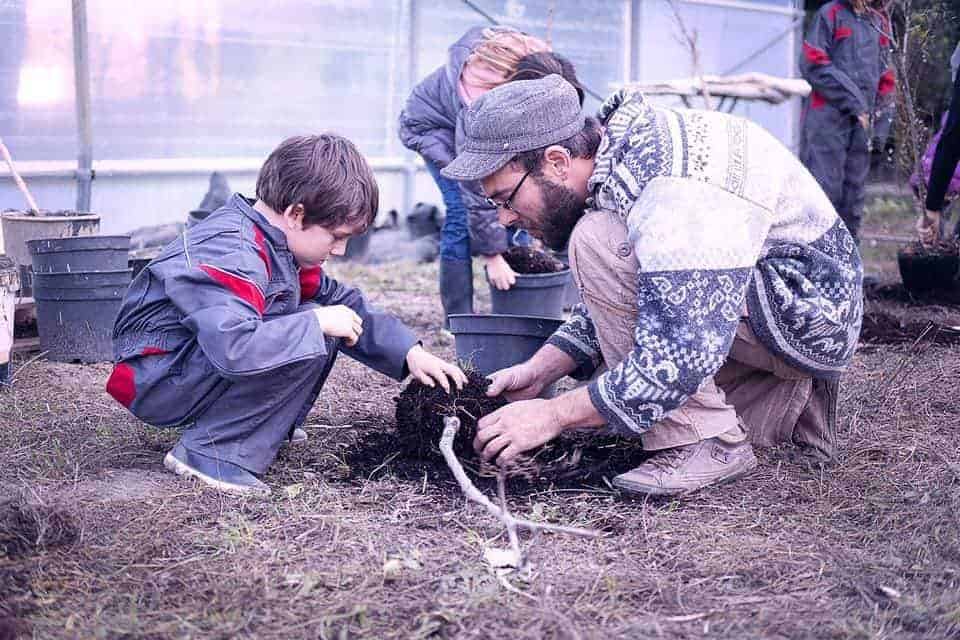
(450, 427)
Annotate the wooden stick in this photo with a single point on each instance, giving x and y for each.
(451, 425)
(16, 178)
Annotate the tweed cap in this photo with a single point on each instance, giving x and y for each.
(515, 117)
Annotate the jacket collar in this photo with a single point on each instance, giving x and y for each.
(245, 206)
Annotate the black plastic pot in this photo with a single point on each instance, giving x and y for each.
(83, 253)
(928, 272)
(76, 312)
(197, 216)
(539, 294)
(136, 265)
(571, 294)
(493, 342)
(357, 246)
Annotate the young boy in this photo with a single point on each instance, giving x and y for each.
(232, 330)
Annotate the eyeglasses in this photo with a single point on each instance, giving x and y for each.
(507, 204)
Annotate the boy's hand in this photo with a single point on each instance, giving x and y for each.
(499, 272)
(429, 369)
(340, 321)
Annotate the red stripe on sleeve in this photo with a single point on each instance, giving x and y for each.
(310, 282)
(888, 82)
(817, 101)
(153, 351)
(815, 55)
(842, 32)
(261, 247)
(246, 290)
(121, 384)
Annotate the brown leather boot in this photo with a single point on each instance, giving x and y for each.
(690, 467)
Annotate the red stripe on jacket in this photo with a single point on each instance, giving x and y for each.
(815, 55)
(310, 282)
(888, 82)
(261, 248)
(246, 290)
(833, 11)
(121, 384)
(842, 32)
(817, 101)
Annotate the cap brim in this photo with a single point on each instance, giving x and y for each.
(470, 165)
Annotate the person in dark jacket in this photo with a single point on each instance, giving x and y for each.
(846, 59)
(232, 330)
(944, 164)
(482, 59)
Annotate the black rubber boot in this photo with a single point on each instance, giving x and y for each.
(456, 288)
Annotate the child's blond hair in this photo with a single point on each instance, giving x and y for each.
(501, 50)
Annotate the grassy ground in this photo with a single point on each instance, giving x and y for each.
(97, 541)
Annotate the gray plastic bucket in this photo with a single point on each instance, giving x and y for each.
(493, 342)
(76, 312)
(540, 295)
(83, 253)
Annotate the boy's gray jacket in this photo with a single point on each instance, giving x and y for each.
(428, 125)
(231, 286)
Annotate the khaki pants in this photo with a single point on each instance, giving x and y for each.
(754, 389)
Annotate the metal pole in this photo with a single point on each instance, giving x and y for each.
(413, 49)
(635, 11)
(81, 70)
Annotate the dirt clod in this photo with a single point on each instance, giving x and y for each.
(530, 261)
(421, 410)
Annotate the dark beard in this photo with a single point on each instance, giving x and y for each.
(562, 210)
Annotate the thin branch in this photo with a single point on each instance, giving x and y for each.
(691, 40)
(16, 178)
(451, 425)
(511, 528)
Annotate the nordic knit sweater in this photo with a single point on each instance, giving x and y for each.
(721, 216)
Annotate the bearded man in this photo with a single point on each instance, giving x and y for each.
(721, 292)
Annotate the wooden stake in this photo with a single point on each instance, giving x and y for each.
(16, 178)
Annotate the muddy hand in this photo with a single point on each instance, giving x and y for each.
(515, 428)
(430, 370)
(518, 382)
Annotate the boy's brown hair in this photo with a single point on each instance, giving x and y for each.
(327, 175)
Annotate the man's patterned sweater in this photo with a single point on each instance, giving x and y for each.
(721, 217)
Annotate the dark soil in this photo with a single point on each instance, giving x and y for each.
(530, 261)
(942, 248)
(421, 410)
(885, 328)
(864, 548)
(896, 292)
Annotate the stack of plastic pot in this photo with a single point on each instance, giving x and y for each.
(78, 285)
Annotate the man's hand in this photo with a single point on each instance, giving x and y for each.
(928, 227)
(430, 370)
(864, 119)
(515, 428)
(340, 321)
(499, 272)
(519, 382)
